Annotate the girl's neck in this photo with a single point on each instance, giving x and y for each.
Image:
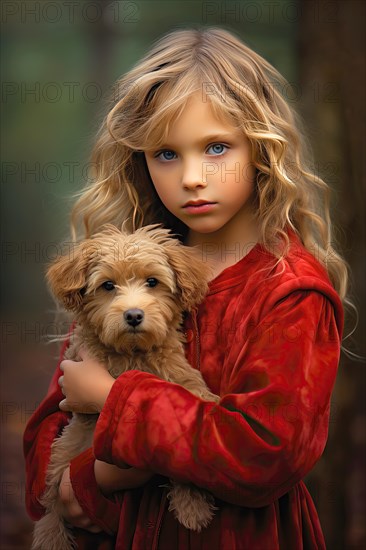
(228, 245)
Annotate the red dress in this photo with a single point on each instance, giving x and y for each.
(267, 340)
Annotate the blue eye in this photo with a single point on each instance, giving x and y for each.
(108, 285)
(169, 155)
(219, 146)
(151, 282)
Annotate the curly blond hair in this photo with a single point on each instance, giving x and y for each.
(243, 88)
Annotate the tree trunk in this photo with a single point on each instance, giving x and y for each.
(332, 77)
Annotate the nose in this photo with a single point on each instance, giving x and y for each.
(194, 175)
(134, 316)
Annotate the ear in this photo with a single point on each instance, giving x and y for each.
(192, 274)
(66, 276)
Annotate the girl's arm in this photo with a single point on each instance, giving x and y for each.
(110, 478)
(267, 431)
(72, 512)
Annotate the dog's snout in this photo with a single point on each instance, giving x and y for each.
(134, 316)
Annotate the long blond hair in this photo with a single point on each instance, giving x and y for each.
(242, 87)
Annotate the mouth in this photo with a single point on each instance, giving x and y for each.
(199, 207)
(135, 330)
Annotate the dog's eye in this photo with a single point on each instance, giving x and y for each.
(108, 285)
(151, 281)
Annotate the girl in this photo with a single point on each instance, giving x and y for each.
(199, 138)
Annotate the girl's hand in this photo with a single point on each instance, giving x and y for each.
(72, 511)
(111, 478)
(85, 384)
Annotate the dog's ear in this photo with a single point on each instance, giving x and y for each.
(66, 276)
(192, 274)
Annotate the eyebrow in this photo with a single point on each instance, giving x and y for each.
(213, 137)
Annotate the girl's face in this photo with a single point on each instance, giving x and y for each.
(203, 160)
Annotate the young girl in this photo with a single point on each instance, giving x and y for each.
(200, 139)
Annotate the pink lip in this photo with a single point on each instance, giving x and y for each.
(197, 202)
(199, 207)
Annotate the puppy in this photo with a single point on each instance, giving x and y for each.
(128, 293)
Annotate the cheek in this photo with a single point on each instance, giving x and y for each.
(164, 188)
(163, 179)
(164, 191)
(237, 189)
(249, 172)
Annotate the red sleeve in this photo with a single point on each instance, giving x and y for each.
(267, 431)
(44, 425)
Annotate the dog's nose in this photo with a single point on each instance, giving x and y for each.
(134, 316)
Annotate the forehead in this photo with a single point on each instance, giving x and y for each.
(191, 121)
(124, 249)
(197, 122)
(122, 260)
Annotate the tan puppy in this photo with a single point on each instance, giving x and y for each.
(128, 293)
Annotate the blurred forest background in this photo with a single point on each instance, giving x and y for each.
(59, 61)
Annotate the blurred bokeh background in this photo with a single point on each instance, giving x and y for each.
(59, 61)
